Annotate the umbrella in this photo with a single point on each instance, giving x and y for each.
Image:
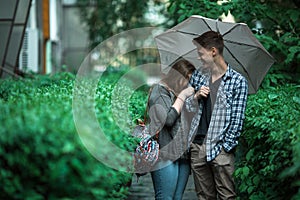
(242, 50)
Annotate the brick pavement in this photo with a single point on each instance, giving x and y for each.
(143, 190)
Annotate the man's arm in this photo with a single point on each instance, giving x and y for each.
(238, 108)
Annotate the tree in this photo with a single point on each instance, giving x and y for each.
(105, 18)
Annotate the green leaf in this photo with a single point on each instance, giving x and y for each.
(272, 96)
(182, 17)
(249, 155)
(294, 15)
(173, 8)
(250, 189)
(296, 99)
(246, 171)
(256, 180)
(182, 6)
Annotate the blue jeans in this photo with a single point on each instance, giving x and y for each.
(170, 181)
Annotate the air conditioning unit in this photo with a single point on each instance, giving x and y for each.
(28, 59)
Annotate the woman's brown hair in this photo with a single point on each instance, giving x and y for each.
(180, 70)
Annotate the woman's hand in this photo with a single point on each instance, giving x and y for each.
(182, 97)
(186, 93)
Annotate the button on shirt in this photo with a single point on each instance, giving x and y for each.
(228, 113)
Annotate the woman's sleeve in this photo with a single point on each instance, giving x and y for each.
(161, 112)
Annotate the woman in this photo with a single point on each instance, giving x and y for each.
(166, 101)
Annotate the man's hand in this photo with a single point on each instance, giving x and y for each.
(202, 93)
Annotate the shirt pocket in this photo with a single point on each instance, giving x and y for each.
(222, 100)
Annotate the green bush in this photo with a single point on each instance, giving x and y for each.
(268, 156)
(41, 154)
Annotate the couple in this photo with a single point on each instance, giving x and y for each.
(199, 115)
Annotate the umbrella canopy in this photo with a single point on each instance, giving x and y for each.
(241, 48)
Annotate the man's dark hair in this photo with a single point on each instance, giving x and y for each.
(210, 39)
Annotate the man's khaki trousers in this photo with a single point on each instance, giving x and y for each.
(213, 180)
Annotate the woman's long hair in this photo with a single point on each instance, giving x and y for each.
(180, 72)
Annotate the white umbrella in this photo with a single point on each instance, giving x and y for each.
(242, 50)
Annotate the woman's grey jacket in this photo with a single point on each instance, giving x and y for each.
(173, 128)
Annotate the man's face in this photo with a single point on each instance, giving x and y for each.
(205, 56)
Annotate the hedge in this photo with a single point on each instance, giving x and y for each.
(268, 154)
(41, 155)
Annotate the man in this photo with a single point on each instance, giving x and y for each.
(222, 96)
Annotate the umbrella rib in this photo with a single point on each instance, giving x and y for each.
(230, 29)
(187, 33)
(239, 43)
(195, 33)
(207, 25)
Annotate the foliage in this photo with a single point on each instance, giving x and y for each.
(182, 9)
(41, 154)
(279, 32)
(268, 155)
(295, 168)
(103, 22)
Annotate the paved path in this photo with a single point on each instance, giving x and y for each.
(143, 190)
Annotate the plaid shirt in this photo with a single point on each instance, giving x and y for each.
(228, 113)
